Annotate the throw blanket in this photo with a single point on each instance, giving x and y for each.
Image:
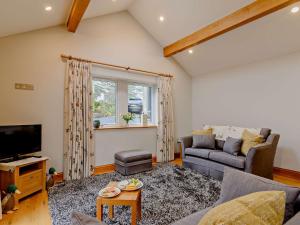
(222, 132)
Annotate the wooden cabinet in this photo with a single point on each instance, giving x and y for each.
(29, 175)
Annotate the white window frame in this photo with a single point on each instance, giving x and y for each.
(122, 98)
(153, 98)
(116, 97)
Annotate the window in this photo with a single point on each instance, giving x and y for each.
(115, 97)
(140, 101)
(104, 105)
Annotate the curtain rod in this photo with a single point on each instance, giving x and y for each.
(149, 73)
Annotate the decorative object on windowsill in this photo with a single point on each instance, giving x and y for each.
(96, 123)
(128, 117)
(8, 202)
(144, 119)
(50, 178)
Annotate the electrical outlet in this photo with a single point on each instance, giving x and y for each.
(28, 87)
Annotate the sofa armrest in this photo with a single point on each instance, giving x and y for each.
(294, 220)
(260, 159)
(185, 142)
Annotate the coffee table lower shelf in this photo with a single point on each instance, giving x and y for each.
(125, 198)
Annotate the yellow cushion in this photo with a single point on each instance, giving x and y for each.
(259, 208)
(203, 132)
(250, 140)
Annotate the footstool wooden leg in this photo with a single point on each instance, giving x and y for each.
(111, 211)
(134, 213)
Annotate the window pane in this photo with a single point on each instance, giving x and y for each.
(104, 106)
(140, 101)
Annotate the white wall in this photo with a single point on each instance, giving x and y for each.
(34, 57)
(264, 94)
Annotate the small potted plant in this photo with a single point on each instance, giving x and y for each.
(97, 124)
(127, 117)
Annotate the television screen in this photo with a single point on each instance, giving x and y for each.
(20, 140)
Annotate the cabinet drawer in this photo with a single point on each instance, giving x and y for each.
(30, 181)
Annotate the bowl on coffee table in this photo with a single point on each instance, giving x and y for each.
(130, 185)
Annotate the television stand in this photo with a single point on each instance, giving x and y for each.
(17, 158)
(29, 175)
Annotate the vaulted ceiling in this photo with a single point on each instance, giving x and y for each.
(271, 36)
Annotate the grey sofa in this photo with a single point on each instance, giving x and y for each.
(259, 160)
(237, 183)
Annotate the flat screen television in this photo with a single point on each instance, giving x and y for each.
(18, 140)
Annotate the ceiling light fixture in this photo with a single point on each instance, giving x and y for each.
(113, 0)
(191, 51)
(161, 18)
(48, 8)
(295, 9)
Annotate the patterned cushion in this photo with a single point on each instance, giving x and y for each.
(258, 208)
(222, 132)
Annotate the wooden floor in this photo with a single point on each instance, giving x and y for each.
(34, 210)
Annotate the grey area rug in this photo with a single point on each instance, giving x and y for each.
(166, 196)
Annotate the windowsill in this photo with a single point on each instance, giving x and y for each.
(112, 127)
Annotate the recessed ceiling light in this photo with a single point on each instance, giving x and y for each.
(295, 9)
(48, 8)
(161, 18)
(113, 0)
(191, 51)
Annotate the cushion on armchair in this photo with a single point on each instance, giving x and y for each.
(259, 208)
(237, 183)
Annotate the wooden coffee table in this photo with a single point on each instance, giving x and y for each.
(130, 198)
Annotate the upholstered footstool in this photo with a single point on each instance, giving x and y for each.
(133, 161)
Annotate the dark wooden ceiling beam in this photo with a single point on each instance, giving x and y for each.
(247, 14)
(77, 11)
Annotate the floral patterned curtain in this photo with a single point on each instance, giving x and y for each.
(165, 131)
(78, 129)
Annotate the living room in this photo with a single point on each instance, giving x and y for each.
(173, 69)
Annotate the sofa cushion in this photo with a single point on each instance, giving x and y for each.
(265, 132)
(232, 146)
(227, 159)
(198, 152)
(81, 219)
(202, 132)
(204, 141)
(259, 208)
(192, 219)
(237, 183)
(250, 140)
(133, 155)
